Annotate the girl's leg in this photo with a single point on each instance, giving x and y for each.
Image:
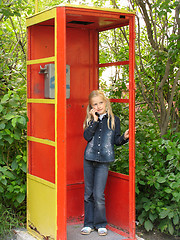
(88, 194)
(100, 179)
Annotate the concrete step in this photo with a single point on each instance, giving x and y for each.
(23, 235)
(73, 233)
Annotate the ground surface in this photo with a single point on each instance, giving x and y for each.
(154, 235)
(73, 233)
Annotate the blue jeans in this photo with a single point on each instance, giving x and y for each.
(95, 178)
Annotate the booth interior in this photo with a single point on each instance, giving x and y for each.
(82, 28)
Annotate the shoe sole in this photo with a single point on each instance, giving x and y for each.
(102, 234)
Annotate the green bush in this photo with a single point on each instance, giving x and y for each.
(157, 184)
(157, 173)
(13, 122)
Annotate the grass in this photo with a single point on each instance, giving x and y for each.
(9, 220)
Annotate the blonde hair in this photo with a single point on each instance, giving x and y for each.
(89, 117)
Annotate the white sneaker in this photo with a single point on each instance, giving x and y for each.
(102, 231)
(86, 230)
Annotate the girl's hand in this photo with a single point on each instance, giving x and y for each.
(126, 134)
(92, 112)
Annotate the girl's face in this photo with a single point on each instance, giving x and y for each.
(98, 104)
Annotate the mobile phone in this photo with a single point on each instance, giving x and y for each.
(97, 114)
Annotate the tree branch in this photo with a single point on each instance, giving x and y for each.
(145, 97)
(148, 24)
(171, 97)
(18, 39)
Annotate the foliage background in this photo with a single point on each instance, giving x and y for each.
(157, 102)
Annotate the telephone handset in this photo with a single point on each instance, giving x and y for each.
(96, 113)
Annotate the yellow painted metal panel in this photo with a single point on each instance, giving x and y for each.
(35, 100)
(40, 140)
(41, 207)
(99, 8)
(41, 60)
(40, 17)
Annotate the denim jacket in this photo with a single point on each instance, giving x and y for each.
(101, 140)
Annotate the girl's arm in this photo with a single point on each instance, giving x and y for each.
(90, 130)
(120, 139)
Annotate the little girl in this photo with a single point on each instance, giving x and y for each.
(101, 131)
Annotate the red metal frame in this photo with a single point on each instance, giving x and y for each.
(61, 123)
(132, 127)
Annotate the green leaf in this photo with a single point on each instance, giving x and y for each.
(157, 185)
(1, 108)
(9, 139)
(176, 219)
(1, 189)
(170, 156)
(14, 165)
(2, 125)
(168, 190)
(161, 179)
(20, 197)
(10, 175)
(148, 225)
(24, 167)
(147, 206)
(8, 131)
(163, 225)
(164, 213)
(141, 182)
(5, 98)
(10, 188)
(4, 181)
(13, 103)
(141, 218)
(170, 228)
(17, 134)
(22, 120)
(9, 116)
(152, 217)
(14, 120)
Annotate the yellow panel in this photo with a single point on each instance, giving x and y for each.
(99, 8)
(40, 17)
(41, 60)
(41, 201)
(40, 100)
(40, 140)
(44, 12)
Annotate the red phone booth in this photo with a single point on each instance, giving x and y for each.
(62, 69)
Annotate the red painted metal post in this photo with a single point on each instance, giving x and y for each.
(61, 123)
(131, 127)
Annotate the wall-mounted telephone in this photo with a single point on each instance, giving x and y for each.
(49, 80)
